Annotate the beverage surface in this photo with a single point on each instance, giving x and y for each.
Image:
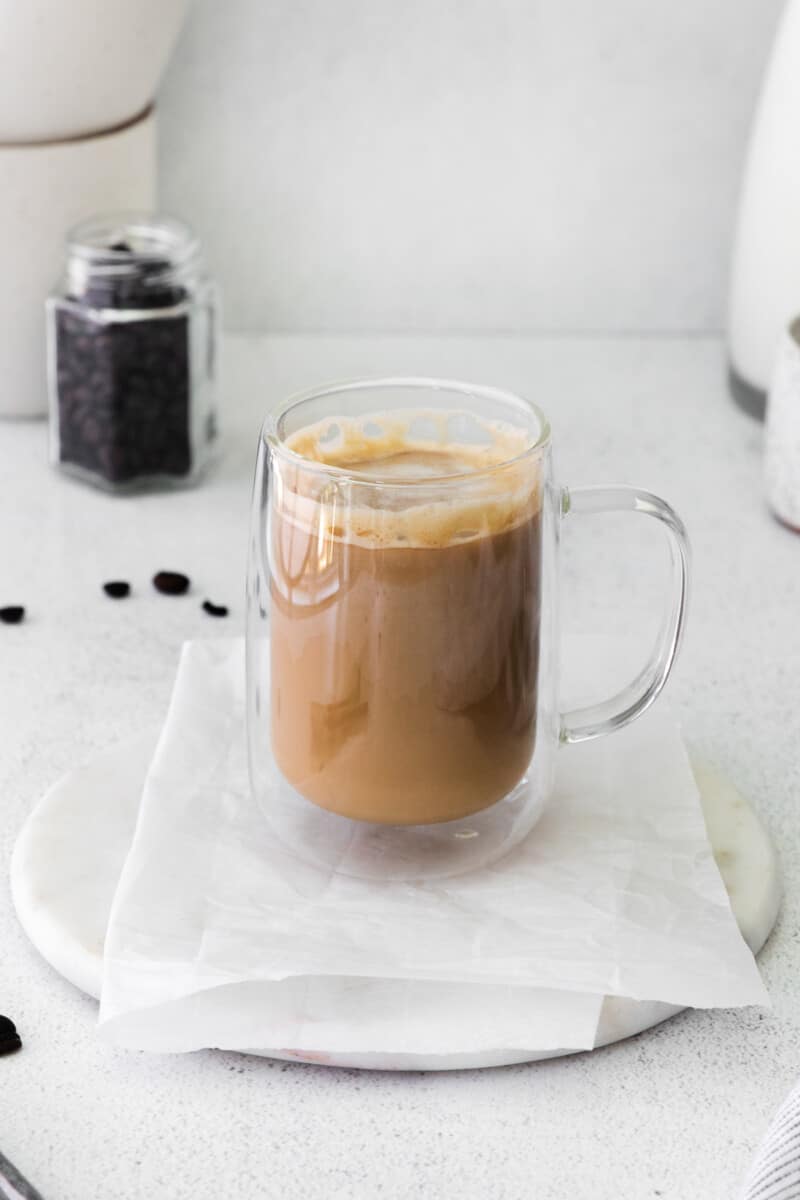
(438, 489)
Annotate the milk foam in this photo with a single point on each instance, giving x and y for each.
(370, 443)
(440, 490)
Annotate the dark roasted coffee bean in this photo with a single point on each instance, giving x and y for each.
(214, 610)
(117, 589)
(9, 1038)
(12, 614)
(171, 583)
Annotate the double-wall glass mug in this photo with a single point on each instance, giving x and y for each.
(402, 676)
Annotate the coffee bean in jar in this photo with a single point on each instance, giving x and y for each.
(132, 332)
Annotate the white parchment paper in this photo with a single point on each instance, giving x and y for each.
(220, 937)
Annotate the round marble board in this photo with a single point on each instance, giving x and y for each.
(70, 853)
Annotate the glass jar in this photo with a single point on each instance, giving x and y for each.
(132, 355)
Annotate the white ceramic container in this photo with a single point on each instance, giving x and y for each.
(782, 433)
(765, 278)
(73, 67)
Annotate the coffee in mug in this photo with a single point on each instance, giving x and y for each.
(405, 626)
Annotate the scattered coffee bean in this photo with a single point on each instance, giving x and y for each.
(9, 1038)
(12, 614)
(171, 583)
(117, 589)
(214, 610)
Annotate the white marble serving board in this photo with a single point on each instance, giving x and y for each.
(69, 855)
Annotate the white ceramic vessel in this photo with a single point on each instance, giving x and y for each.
(78, 67)
(44, 190)
(765, 278)
(782, 433)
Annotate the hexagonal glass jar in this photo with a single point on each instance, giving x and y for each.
(132, 332)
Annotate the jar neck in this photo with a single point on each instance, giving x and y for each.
(132, 261)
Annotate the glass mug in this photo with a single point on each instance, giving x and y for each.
(402, 682)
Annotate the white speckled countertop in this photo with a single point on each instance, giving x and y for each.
(674, 1113)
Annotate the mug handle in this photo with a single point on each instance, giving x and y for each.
(581, 724)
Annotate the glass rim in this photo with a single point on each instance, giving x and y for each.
(270, 431)
(163, 240)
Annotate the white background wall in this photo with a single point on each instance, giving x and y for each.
(460, 165)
